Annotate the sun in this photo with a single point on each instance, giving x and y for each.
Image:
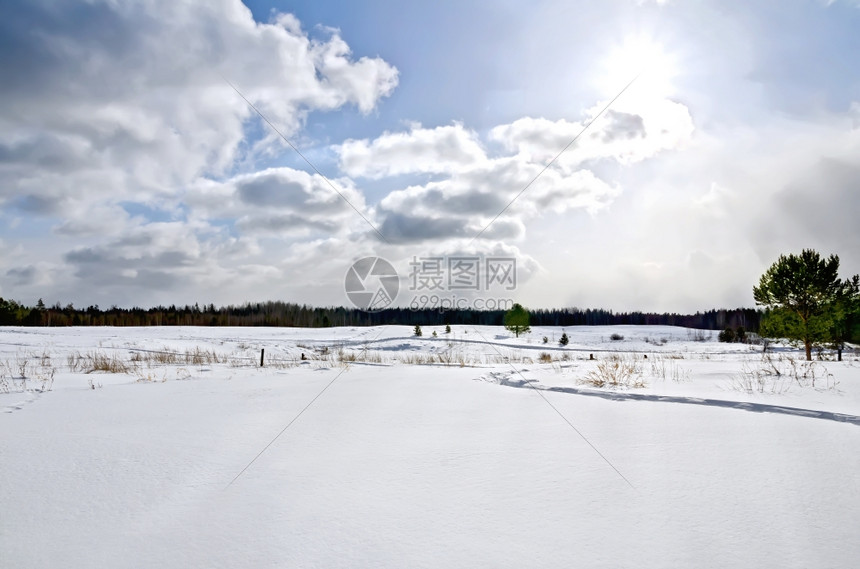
(637, 57)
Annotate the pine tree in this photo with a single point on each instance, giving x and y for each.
(802, 294)
(517, 320)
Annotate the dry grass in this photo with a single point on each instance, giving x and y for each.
(364, 356)
(780, 374)
(101, 362)
(663, 367)
(27, 372)
(618, 371)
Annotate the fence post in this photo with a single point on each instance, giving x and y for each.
(262, 353)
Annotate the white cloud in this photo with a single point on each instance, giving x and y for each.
(470, 188)
(137, 112)
(444, 149)
(128, 167)
(281, 202)
(696, 230)
(109, 105)
(631, 131)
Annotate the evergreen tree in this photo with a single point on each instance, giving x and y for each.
(417, 330)
(845, 316)
(517, 320)
(802, 293)
(727, 335)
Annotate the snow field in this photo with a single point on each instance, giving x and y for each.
(417, 465)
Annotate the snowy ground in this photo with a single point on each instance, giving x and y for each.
(469, 449)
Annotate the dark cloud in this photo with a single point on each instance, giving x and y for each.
(463, 203)
(41, 44)
(406, 228)
(292, 190)
(284, 223)
(39, 204)
(44, 151)
(272, 191)
(84, 256)
(23, 276)
(504, 230)
(110, 270)
(623, 126)
(115, 259)
(134, 240)
(403, 228)
(821, 211)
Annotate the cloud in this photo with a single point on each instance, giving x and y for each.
(157, 260)
(444, 149)
(697, 230)
(623, 126)
(470, 188)
(107, 102)
(113, 112)
(22, 276)
(281, 201)
(401, 227)
(632, 131)
(818, 210)
(132, 173)
(463, 205)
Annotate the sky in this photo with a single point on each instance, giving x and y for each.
(136, 167)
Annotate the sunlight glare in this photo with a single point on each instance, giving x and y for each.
(640, 56)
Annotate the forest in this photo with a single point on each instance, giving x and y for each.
(276, 313)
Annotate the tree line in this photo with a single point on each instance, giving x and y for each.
(277, 313)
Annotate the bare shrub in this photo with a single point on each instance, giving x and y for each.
(545, 358)
(344, 356)
(779, 374)
(667, 368)
(696, 335)
(75, 361)
(28, 372)
(7, 380)
(163, 357)
(616, 372)
(21, 365)
(101, 362)
(44, 374)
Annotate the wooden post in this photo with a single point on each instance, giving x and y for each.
(262, 353)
